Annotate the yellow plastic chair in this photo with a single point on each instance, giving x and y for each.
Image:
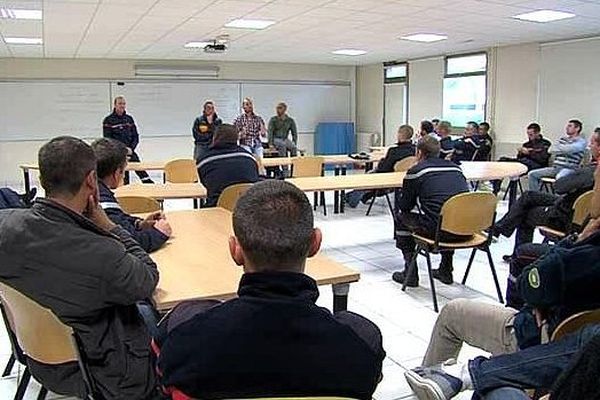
(581, 212)
(41, 336)
(467, 214)
(229, 197)
(308, 167)
(182, 171)
(405, 164)
(138, 204)
(575, 322)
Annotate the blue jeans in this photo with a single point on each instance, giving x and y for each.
(535, 176)
(536, 367)
(507, 393)
(256, 149)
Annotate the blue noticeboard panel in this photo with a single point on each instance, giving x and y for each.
(335, 138)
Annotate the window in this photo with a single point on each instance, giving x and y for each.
(465, 89)
(394, 72)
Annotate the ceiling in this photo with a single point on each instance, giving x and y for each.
(306, 31)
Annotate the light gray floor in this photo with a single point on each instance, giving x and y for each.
(406, 319)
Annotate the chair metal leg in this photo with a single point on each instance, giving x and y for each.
(464, 280)
(42, 394)
(23, 385)
(491, 261)
(9, 366)
(389, 202)
(371, 205)
(195, 204)
(412, 268)
(323, 203)
(431, 282)
(316, 201)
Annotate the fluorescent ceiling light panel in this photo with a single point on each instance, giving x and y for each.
(196, 45)
(349, 52)
(21, 40)
(425, 37)
(249, 24)
(544, 16)
(12, 13)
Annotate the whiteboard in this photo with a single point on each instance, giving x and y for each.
(40, 110)
(163, 108)
(308, 104)
(569, 89)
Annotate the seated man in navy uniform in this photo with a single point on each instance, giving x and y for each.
(466, 148)
(120, 126)
(272, 340)
(225, 164)
(404, 148)
(431, 182)
(151, 232)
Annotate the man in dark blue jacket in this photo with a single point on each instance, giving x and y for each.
(559, 284)
(432, 181)
(273, 340)
(225, 164)
(404, 148)
(466, 148)
(444, 130)
(204, 128)
(153, 231)
(120, 126)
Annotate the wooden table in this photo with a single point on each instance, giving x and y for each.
(340, 160)
(195, 263)
(163, 191)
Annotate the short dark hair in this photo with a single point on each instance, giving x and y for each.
(435, 121)
(577, 123)
(473, 124)
(535, 126)
(597, 130)
(111, 155)
(65, 162)
(484, 124)
(273, 222)
(427, 126)
(429, 147)
(226, 133)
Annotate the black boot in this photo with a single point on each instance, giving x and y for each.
(400, 276)
(444, 272)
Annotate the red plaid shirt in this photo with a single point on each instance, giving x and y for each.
(249, 126)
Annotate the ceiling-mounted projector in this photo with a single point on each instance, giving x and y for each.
(215, 48)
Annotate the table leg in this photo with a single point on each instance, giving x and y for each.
(340, 297)
(512, 193)
(336, 194)
(27, 181)
(343, 193)
(368, 166)
(126, 178)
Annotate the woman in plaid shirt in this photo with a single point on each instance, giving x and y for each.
(250, 127)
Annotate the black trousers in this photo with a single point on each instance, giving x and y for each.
(530, 164)
(143, 175)
(407, 223)
(532, 209)
(524, 255)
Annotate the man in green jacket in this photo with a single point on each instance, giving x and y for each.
(280, 127)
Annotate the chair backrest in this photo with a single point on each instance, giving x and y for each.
(575, 322)
(468, 213)
(229, 197)
(138, 204)
(581, 208)
(303, 167)
(181, 171)
(405, 164)
(41, 335)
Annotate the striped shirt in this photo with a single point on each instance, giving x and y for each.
(249, 126)
(569, 151)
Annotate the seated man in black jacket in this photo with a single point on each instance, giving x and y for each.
(467, 147)
(536, 208)
(444, 130)
(271, 341)
(225, 164)
(431, 182)
(404, 148)
(68, 256)
(153, 231)
(559, 284)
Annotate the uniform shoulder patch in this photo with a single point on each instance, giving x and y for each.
(534, 278)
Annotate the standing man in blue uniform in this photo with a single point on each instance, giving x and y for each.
(120, 126)
(204, 129)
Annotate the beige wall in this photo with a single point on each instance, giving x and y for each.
(425, 86)
(13, 153)
(369, 98)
